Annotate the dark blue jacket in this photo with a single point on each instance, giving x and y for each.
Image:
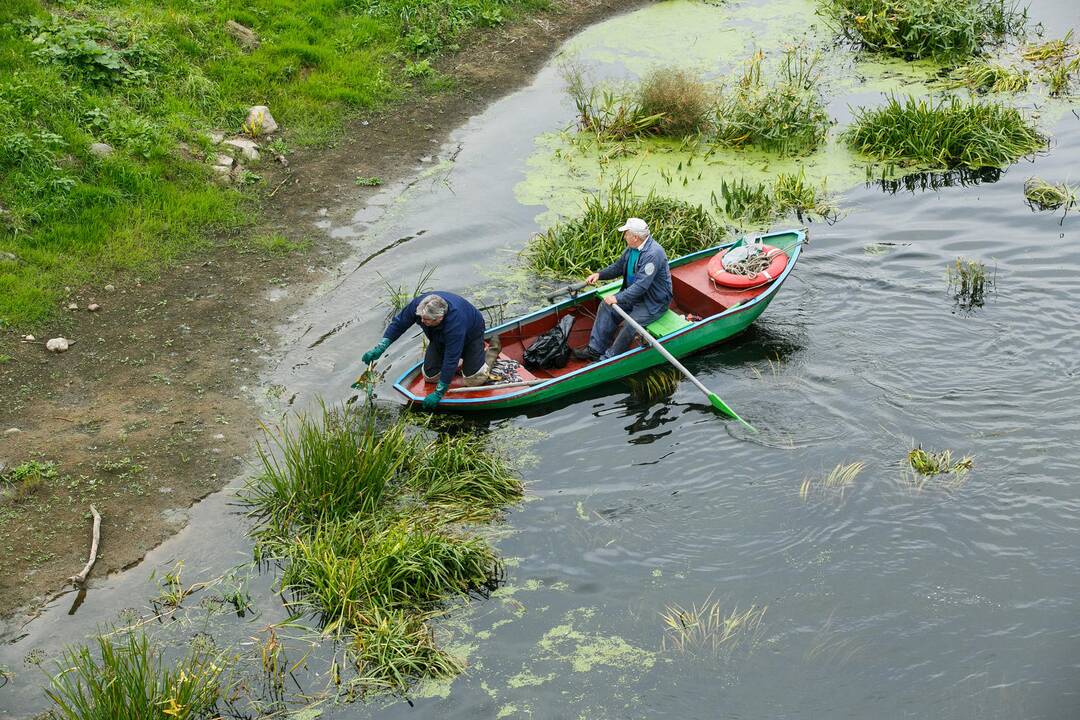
(652, 279)
(463, 323)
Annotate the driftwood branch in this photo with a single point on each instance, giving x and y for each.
(80, 579)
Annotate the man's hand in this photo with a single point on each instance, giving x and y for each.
(432, 400)
(376, 352)
(609, 300)
(592, 279)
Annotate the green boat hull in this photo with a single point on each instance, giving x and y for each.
(686, 341)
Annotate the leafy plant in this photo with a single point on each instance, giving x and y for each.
(987, 76)
(945, 30)
(786, 114)
(128, 679)
(944, 133)
(418, 69)
(969, 281)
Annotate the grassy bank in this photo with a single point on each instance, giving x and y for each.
(145, 77)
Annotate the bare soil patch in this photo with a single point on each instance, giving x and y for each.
(157, 403)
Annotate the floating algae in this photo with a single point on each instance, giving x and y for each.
(585, 651)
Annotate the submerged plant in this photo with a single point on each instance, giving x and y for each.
(655, 384)
(968, 280)
(1051, 51)
(1059, 77)
(987, 76)
(591, 241)
(784, 114)
(1042, 195)
(343, 569)
(462, 477)
(744, 202)
(945, 30)
(944, 134)
(840, 478)
(128, 679)
(390, 648)
(926, 464)
(705, 629)
(793, 192)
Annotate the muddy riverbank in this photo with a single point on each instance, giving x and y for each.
(158, 402)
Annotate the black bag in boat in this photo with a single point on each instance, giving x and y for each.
(552, 349)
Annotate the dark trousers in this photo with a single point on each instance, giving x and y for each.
(604, 340)
(472, 358)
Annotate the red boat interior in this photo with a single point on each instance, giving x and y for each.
(694, 294)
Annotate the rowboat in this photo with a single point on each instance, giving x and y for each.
(702, 314)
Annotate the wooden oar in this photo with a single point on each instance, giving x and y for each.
(714, 399)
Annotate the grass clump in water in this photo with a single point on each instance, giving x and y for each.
(968, 280)
(927, 464)
(128, 679)
(1057, 63)
(361, 514)
(683, 102)
(786, 114)
(466, 480)
(591, 241)
(946, 133)
(986, 76)
(944, 30)
(757, 204)
(840, 478)
(1042, 195)
(390, 647)
(706, 630)
(655, 384)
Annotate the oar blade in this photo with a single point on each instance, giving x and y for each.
(723, 407)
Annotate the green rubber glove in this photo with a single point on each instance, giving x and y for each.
(374, 353)
(433, 399)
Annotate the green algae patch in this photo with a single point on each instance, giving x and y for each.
(525, 678)
(586, 651)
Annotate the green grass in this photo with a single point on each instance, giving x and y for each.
(364, 517)
(944, 133)
(785, 113)
(987, 76)
(127, 678)
(26, 478)
(143, 76)
(969, 281)
(838, 479)
(1042, 195)
(944, 30)
(927, 464)
(591, 241)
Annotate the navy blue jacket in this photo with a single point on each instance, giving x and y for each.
(652, 279)
(463, 323)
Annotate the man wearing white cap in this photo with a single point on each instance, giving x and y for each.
(645, 294)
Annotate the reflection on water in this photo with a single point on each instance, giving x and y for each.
(922, 181)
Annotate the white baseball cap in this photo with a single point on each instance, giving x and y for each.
(636, 226)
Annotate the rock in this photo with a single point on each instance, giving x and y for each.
(215, 137)
(10, 257)
(29, 338)
(284, 161)
(73, 306)
(223, 161)
(247, 147)
(244, 35)
(260, 120)
(101, 149)
(12, 431)
(110, 288)
(58, 345)
(93, 307)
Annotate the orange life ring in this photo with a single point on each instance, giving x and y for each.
(745, 282)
